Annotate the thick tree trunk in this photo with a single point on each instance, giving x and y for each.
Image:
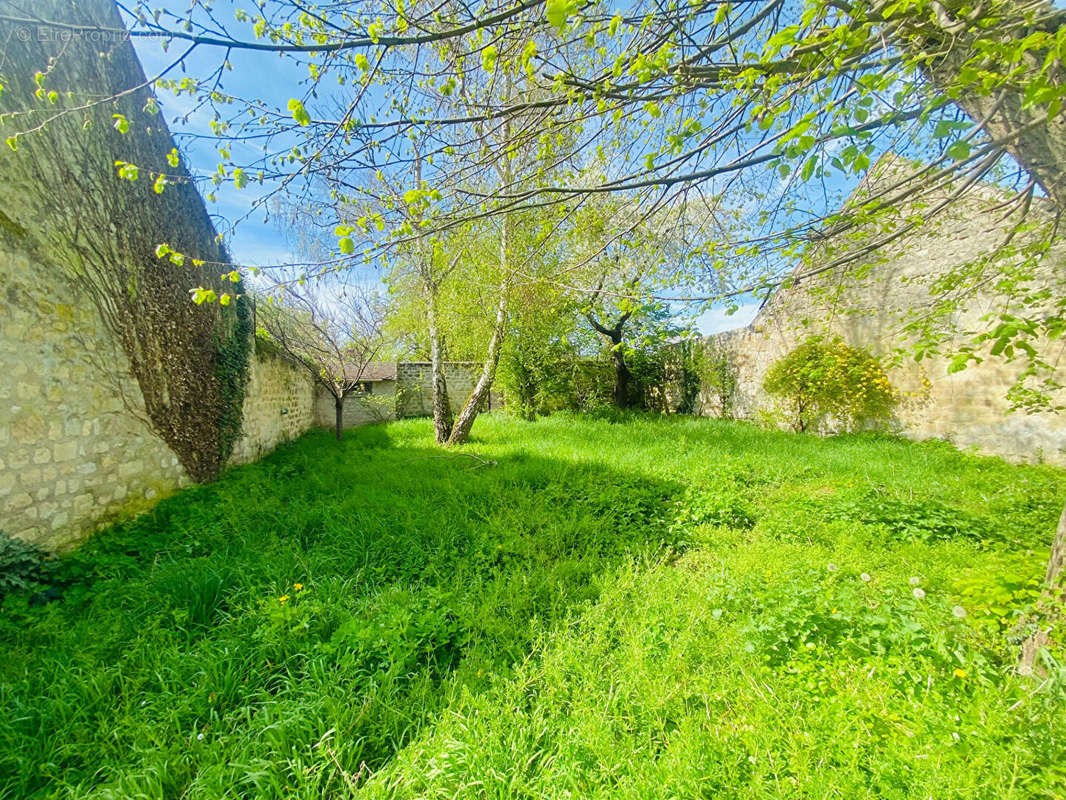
(1035, 142)
(443, 421)
(338, 406)
(479, 396)
(1050, 615)
(622, 375)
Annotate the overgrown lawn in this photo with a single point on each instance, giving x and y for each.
(566, 608)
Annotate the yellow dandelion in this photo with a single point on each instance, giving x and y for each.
(283, 599)
(960, 673)
(297, 586)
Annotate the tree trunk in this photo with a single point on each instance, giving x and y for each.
(443, 421)
(338, 405)
(622, 374)
(479, 396)
(1035, 142)
(1050, 605)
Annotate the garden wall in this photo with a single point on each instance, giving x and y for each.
(409, 395)
(72, 455)
(278, 405)
(416, 389)
(74, 451)
(379, 407)
(869, 304)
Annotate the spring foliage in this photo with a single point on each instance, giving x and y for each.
(828, 378)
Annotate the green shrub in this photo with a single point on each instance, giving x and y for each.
(706, 365)
(830, 378)
(924, 521)
(22, 565)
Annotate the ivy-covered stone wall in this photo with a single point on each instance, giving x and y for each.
(116, 389)
(75, 452)
(72, 453)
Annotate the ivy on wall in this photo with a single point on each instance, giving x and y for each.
(69, 206)
(233, 353)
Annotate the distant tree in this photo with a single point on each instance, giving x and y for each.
(707, 365)
(333, 333)
(627, 255)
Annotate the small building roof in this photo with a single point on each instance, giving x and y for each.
(374, 371)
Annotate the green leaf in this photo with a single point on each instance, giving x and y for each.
(121, 125)
(488, 58)
(557, 13)
(127, 171)
(299, 113)
(346, 245)
(160, 184)
(172, 157)
(200, 295)
(240, 180)
(959, 362)
(12, 142)
(959, 151)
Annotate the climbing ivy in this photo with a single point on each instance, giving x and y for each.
(233, 352)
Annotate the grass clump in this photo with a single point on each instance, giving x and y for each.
(637, 608)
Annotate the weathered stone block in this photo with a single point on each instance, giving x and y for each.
(66, 451)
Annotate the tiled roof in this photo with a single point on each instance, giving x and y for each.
(375, 371)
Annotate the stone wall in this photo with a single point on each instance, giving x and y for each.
(416, 392)
(279, 405)
(410, 395)
(76, 450)
(379, 406)
(869, 302)
(73, 452)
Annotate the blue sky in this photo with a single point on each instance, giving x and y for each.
(255, 242)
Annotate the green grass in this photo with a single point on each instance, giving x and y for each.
(659, 608)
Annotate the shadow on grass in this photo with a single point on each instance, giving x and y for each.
(305, 615)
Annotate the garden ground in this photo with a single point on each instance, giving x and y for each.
(568, 608)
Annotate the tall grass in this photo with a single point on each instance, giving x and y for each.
(572, 607)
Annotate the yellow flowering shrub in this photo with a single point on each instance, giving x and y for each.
(830, 378)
